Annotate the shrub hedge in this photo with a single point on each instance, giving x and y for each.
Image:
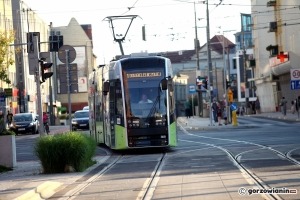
(68, 150)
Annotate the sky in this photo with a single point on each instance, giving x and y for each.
(169, 24)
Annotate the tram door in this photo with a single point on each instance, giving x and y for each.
(115, 108)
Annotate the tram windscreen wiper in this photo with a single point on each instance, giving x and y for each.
(153, 109)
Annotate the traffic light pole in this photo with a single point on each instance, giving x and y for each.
(38, 87)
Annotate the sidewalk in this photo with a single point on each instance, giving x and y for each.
(199, 123)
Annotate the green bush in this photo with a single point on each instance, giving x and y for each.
(7, 132)
(61, 151)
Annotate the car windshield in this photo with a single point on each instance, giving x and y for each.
(81, 114)
(22, 118)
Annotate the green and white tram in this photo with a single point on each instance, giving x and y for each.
(119, 119)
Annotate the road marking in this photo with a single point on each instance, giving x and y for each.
(43, 191)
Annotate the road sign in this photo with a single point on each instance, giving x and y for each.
(62, 53)
(192, 89)
(295, 74)
(295, 85)
(233, 107)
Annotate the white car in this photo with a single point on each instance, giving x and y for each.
(85, 108)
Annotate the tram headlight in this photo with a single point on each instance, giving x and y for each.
(133, 123)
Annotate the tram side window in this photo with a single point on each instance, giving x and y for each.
(119, 100)
(119, 104)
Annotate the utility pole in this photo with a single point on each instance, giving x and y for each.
(196, 39)
(245, 72)
(197, 45)
(38, 85)
(209, 63)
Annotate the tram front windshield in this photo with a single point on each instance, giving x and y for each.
(145, 99)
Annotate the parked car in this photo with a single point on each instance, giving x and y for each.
(25, 123)
(80, 120)
(85, 108)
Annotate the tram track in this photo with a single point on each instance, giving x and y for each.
(111, 161)
(236, 159)
(149, 186)
(71, 192)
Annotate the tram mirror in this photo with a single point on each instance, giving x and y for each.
(105, 88)
(164, 84)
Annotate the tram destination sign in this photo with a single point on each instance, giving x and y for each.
(144, 75)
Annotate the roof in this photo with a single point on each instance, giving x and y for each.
(179, 56)
(216, 43)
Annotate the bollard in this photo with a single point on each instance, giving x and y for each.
(234, 118)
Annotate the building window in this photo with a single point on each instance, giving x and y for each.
(234, 63)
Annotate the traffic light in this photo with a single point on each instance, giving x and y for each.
(30, 45)
(45, 66)
(55, 42)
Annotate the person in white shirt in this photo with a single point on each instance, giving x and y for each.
(145, 99)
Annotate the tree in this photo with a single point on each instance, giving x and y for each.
(6, 55)
(6, 60)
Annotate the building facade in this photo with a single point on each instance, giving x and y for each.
(80, 38)
(276, 50)
(6, 28)
(24, 88)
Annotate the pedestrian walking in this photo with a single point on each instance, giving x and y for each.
(283, 103)
(225, 116)
(293, 108)
(257, 106)
(187, 107)
(296, 105)
(219, 113)
(9, 117)
(214, 107)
